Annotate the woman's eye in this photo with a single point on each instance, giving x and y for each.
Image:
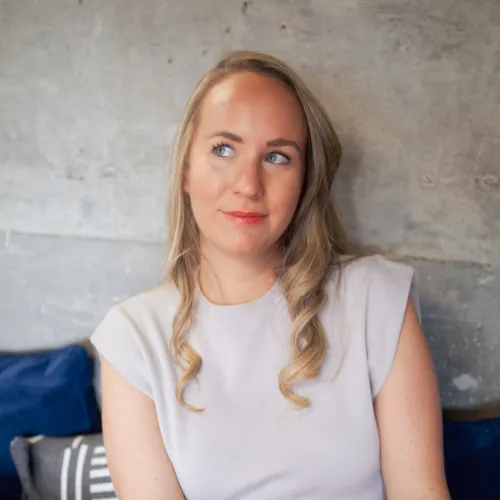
(278, 158)
(223, 150)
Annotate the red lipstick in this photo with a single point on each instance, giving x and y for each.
(245, 217)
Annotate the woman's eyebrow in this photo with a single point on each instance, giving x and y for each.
(284, 142)
(237, 138)
(227, 135)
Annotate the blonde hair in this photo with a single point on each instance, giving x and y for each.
(310, 245)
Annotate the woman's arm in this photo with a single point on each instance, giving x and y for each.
(137, 460)
(409, 418)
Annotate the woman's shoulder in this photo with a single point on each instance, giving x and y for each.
(160, 298)
(357, 272)
(377, 263)
(154, 306)
(134, 331)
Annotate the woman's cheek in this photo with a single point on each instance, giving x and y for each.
(212, 182)
(287, 191)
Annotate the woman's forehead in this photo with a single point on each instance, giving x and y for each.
(249, 100)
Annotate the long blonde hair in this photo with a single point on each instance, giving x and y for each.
(309, 247)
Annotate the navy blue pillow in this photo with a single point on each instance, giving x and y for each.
(47, 393)
(472, 459)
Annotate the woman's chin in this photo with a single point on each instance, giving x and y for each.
(244, 249)
(244, 252)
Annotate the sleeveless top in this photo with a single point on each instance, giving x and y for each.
(250, 443)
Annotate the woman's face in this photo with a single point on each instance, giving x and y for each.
(246, 164)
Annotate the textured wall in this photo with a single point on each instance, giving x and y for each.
(90, 95)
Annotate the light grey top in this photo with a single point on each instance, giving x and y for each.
(250, 443)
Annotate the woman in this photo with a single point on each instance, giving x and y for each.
(275, 362)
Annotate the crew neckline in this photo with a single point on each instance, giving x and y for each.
(244, 312)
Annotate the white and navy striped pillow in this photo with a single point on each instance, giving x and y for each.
(63, 468)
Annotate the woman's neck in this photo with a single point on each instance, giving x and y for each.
(226, 281)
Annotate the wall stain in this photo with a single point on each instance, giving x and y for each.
(487, 182)
(228, 30)
(74, 177)
(244, 7)
(87, 207)
(170, 60)
(465, 382)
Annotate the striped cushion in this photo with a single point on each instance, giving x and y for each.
(72, 468)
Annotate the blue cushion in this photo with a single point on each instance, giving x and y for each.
(472, 458)
(44, 393)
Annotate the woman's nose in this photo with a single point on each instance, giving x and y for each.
(249, 181)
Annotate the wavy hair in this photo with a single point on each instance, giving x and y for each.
(309, 247)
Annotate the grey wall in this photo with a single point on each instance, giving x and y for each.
(90, 95)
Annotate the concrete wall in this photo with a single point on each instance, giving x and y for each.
(90, 95)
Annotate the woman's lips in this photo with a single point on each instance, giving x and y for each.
(245, 217)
